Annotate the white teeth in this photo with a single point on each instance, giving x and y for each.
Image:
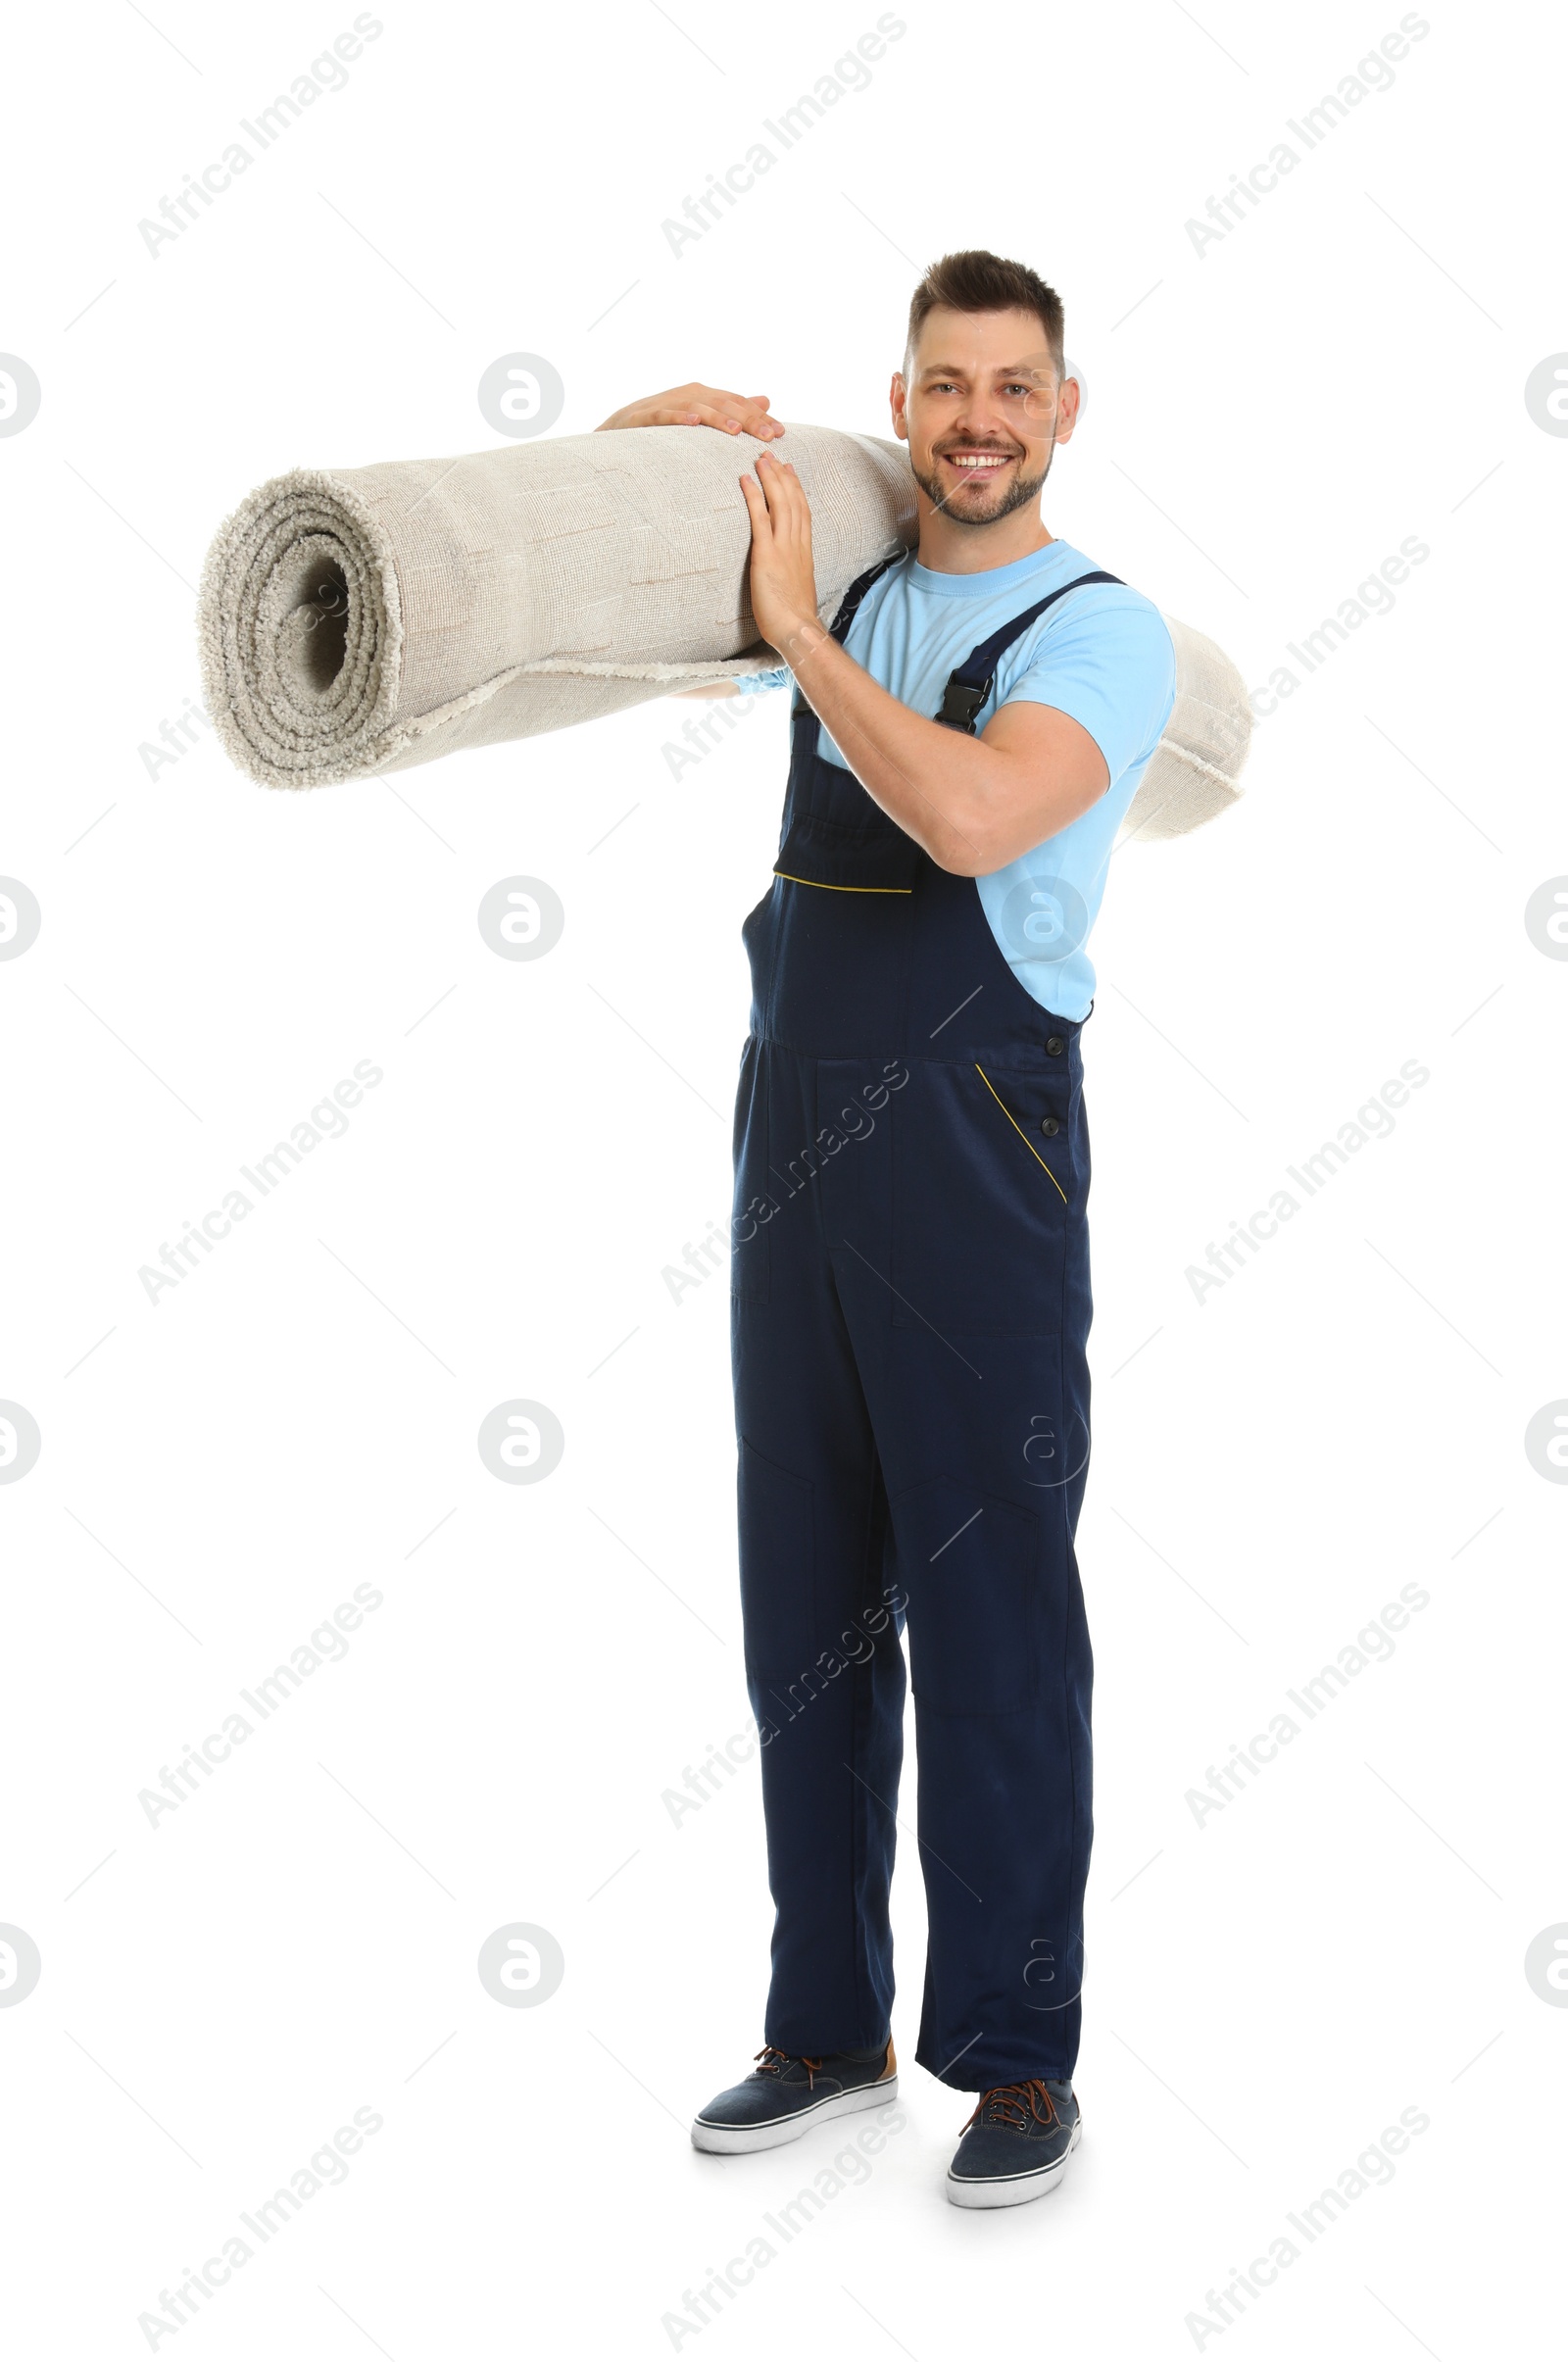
(993, 459)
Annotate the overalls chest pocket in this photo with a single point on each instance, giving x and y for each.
(833, 834)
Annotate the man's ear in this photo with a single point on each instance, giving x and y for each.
(898, 396)
(1068, 402)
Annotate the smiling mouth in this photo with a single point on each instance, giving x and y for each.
(982, 467)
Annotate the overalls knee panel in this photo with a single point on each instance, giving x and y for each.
(912, 1304)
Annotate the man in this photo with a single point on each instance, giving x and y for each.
(911, 1269)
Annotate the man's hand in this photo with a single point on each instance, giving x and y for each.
(783, 577)
(974, 803)
(700, 406)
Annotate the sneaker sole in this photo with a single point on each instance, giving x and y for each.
(1017, 2189)
(740, 2139)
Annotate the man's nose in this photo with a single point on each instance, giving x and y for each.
(983, 421)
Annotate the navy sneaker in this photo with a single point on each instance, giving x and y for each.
(783, 2096)
(1015, 2145)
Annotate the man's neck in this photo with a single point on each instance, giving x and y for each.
(947, 548)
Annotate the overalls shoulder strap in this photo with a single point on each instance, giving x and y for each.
(970, 683)
(849, 608)
(849, 604)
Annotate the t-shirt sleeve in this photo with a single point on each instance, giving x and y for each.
(748, 684)
(1112, 669)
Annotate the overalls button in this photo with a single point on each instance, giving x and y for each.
(1050, 1127)
(1055, 1046)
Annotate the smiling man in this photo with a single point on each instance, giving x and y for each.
(911, 1269)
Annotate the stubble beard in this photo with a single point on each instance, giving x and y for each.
(1025, 489)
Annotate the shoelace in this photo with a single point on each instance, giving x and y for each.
(774, 2063)
(1014, 2105)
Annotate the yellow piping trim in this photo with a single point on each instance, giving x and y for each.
(1023, 1134)
(826, 889)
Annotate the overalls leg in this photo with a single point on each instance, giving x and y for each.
(824, 1669)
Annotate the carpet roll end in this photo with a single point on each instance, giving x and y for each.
(300, 633)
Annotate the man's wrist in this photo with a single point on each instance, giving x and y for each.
(801, 637)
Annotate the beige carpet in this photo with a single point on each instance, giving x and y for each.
(365, 619)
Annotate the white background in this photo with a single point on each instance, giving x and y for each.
(1267, 420)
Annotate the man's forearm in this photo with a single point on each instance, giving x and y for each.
(959, 796)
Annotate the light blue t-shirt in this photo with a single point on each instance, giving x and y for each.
(1101, 656)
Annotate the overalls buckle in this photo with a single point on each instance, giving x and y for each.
(961, 702)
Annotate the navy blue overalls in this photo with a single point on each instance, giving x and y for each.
(912, 1307)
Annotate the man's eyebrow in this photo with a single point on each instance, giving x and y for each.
(953, 369)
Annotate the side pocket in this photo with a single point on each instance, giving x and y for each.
(981, 1213)
(1047, 1118)
(778, 1569)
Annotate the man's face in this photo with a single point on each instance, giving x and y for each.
(982, 411)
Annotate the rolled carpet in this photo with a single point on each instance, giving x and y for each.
(360, 621)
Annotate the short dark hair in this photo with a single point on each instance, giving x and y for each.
(978, 281)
